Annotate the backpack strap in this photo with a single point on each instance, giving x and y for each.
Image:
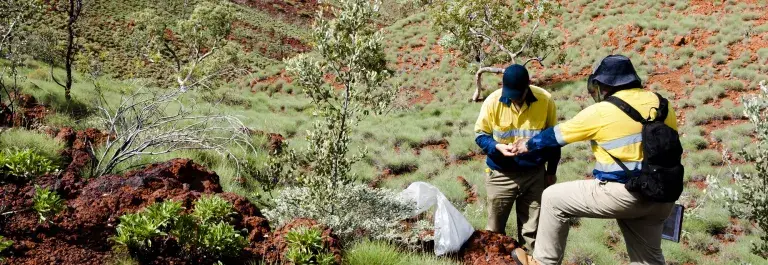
(621, 164)
(626, 108)
(661, 111)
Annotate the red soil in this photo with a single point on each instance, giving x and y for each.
(80, 234)
(295, 11)
(26, 113)
(421, 96)
(488, 248)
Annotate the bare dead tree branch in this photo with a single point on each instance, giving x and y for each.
(478, 80)
(528, 41)
(148, 124)
(513, 57)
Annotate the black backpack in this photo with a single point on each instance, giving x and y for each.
(661, 177)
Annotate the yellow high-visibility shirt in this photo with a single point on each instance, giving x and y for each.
(500, 123)
(506, 124)
(611, 129)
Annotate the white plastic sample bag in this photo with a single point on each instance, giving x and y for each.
(451, 228)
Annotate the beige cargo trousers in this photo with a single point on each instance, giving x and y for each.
(521, 187)
(640, 221)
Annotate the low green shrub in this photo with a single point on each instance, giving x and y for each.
(24, 164)
(46, 203)
(305, 246)
(212, 209)
(704, 243)
(219, 239)
(204, 232)
(349, 209)
(694, 142)
(138, 230)
(705, 157)
(734, 85)
(706, 113)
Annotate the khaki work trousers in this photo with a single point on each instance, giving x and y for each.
(640, 221)
(523, 187)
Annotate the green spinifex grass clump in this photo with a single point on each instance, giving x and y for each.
(46, 203)
(206, 231)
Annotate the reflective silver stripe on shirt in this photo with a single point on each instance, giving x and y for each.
(613, 167)
(559, 136)
(623, 141)
(516, 133)
(478, 134)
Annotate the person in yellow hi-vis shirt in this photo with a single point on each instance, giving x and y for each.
(612, 133)
(516, 111)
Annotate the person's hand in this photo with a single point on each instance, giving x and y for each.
(551, 179)
(520, 146)
(506, 149)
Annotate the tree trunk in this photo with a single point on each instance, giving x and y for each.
(479, 80)
(75, 6)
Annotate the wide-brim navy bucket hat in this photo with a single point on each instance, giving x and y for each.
(614, 70)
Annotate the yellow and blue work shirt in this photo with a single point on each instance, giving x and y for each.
(499, 122)
(609, 129)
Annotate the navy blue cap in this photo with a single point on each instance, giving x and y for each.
(514, 83)
(615, 71)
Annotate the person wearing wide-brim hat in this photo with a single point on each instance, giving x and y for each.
(517, 111)
(612, 132)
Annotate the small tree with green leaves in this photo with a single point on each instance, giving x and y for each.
(489, 32)
(194, 47)
(349, 50)
(752, 186)
(15, 22)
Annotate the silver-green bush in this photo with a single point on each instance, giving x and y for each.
(349, 210)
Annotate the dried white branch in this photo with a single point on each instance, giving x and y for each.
(478, 80)
(149, 124)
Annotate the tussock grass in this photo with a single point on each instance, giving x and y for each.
(381, 253)
(42, 144)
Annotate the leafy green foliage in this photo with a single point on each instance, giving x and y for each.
(305, 246)
(46, 203)
(220, 239)
(24, 164)
(137, 230)
(205, 231)
(350, 50)
(212, 209)
(491, 32)
(752, 186)
(194, 46)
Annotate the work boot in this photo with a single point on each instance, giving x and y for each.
(532, 261)
(522, 258)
